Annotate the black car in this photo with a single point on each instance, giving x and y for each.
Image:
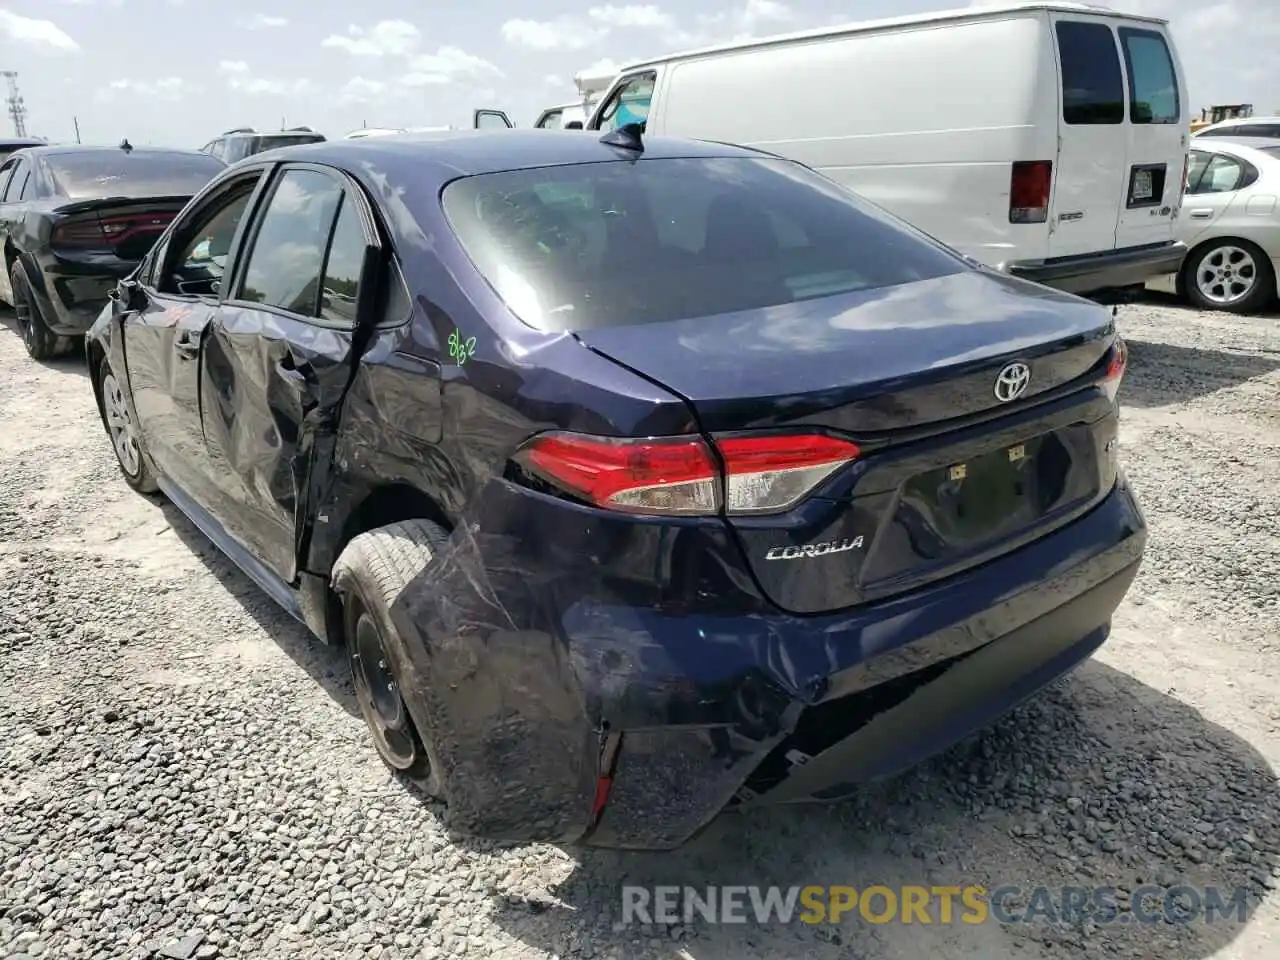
(638, 477)
(74, 220)
(235, 145)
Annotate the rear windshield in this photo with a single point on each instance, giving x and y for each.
(292, 140)
(116, 173)
(615, 244)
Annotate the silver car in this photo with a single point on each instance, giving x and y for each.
(1230, 222)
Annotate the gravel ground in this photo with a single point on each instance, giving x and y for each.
(184, 774)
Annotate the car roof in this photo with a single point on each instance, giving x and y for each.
(448, 154)
(1238, 122)
(65, 150)
(1240, 141)
(1245, 151)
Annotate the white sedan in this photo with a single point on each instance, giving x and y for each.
(1230, 222)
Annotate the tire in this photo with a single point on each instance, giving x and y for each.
(41, 342)
(122, 431)
(368, 577)
(1229, 275)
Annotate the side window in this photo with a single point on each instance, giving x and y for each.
(550, 120)
(1222, 175)
(287, 259)
(28, 190)
(340, 291)
(1195, 169)
(629, 103)
(1092, 87)
(1153, 86)
(200, 248)
(1231, 131)
(13, 188)
(5, 174)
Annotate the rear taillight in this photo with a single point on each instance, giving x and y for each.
(78, 233)
(1117, 360)
(1029, 186)
(681, 476)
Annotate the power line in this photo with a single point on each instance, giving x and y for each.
(17, 108)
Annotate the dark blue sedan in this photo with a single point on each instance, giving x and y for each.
(639, 478)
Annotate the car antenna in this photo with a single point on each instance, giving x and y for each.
(629, 136)
(126, 146)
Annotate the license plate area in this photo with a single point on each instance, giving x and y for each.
(1146, 185)
(947, 513)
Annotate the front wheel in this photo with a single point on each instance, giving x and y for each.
(369, 576)
(1230, 275)
(126, 440)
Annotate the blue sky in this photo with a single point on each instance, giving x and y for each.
(178, 72)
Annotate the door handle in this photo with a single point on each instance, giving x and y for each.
(187, 347)
(1201, 214)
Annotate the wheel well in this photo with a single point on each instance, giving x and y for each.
(96, 355)
(383, 505)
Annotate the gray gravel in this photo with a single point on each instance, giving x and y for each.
(183, 774)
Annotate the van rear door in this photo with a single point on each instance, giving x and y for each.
(1091, 168)
(1157, 138)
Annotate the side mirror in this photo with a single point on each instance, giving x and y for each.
(127, 295)
(573, 125)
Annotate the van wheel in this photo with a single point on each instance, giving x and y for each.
(1230, 275)
(372, 571)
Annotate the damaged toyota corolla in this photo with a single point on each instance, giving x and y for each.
(639, 478)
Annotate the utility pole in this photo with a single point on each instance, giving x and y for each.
(17, 109)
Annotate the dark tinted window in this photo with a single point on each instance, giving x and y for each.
(604, 244)
(236, 148)
(1153, 86)
(5, 174)
(117, 173)
(342, 271)
(288, 252)
(285, 140)
(1092, 86)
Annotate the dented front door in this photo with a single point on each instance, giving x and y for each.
(277, 359)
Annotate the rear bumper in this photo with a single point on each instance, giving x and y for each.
(540, 685)
(1109, 270)
(71, 294)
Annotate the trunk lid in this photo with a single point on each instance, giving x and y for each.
(949, 475)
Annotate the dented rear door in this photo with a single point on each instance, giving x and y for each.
(278, 358)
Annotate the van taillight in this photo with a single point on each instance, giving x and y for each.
(1029, 191)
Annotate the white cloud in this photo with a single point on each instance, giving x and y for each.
(169, 89)
(44, 35)
(383, 39)
(453, 62)
(631, 16)
(565, 33)
(425, 79)
(241, 79)
(360, 90)
(260, 21)
(752, 19)
(600, 66)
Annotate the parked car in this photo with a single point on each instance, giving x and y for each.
(565, 116)
(1047, 140)
(1231, 226)
(74, 220)
(1268, 127)
(9, 145)
(666, 476)
(235, 145)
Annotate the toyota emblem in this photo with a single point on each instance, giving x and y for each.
(1011, 382)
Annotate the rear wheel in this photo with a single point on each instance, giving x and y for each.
(40, 341)
(126, 440)
(1230, 275)
(369, 576)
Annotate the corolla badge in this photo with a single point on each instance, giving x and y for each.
(810, 550)
(1011, 381)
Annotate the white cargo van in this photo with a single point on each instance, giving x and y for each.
(1045, 139)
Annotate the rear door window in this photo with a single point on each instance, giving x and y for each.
(1222, 175)
(1092, 82)
(13, 189)
(630, 102)
(1153, 85)
(583, 246)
